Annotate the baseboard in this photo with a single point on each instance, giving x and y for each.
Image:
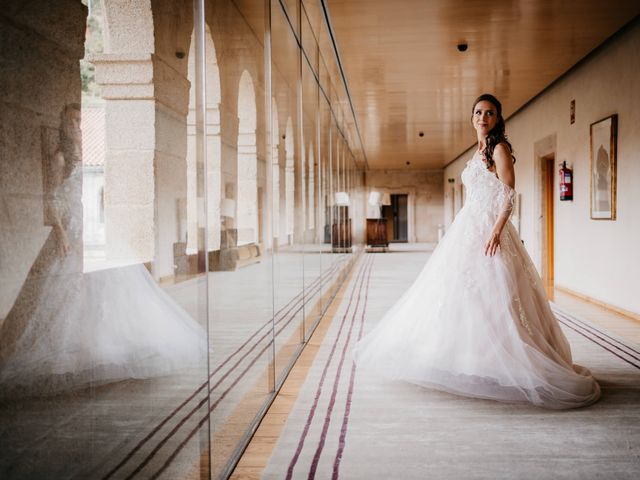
(608, 306)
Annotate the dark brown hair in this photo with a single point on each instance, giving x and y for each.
(496, 135)
(69, 146)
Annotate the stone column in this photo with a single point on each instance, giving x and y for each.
(145, 169)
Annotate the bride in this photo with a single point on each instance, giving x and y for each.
(477, 322)
(68, 329)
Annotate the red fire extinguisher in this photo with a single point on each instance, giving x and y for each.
(566, 182)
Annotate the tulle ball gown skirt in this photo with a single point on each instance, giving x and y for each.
(479, 326)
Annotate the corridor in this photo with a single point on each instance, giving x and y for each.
(333, 420)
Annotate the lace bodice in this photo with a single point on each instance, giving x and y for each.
(485, 192)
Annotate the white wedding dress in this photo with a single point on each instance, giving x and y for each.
(477, 325)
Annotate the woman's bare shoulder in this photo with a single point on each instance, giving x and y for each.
(503, 147)
(502, 153)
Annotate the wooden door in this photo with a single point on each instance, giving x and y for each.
(549, 220)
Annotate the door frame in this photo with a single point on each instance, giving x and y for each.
(548, 165)
(391, 195)
(545, 162)
(411, 193)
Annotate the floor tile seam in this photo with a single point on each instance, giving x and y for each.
(594, 340)
(603, 338)
(603, 342)
(628, 343)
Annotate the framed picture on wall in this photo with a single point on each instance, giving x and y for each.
(602, 168)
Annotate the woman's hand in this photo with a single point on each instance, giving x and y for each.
(64, 247)
(491, 245)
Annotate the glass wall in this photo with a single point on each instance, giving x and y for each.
(106, 329)
(178, 208)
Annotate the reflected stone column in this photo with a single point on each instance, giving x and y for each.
(145, 168)
(247, 208)
(299, 201)
(225, 258)
(212, 129)
(283, 224)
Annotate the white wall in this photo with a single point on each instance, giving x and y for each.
(597, 258)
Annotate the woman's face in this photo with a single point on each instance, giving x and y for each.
(485, 117)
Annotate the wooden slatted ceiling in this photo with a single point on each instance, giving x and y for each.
(405, 74)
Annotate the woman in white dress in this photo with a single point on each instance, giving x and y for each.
(477, 321)
(68, 329)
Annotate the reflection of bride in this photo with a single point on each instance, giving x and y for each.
(477, 321)
(69, 329)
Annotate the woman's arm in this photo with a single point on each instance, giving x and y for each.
(506, 174)
(52, 204)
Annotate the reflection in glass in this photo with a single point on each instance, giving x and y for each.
(240, 302)
(288, 292)
(169, 243)
(99, 339)
(313, 260)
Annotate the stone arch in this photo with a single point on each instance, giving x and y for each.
(247, 179)
(213, 146)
